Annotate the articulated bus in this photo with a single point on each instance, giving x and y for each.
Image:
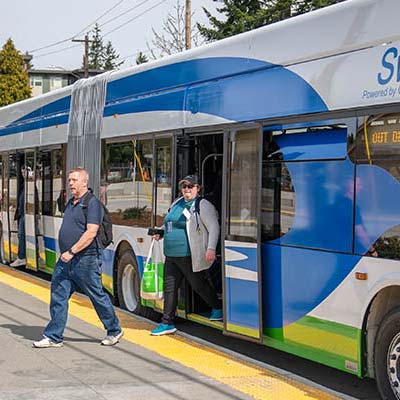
(294, 129)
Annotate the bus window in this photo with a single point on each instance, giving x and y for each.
(301, 144)
(163, 179)
(277, 201)
(243, 204)
(378, 138)
(59, 196)
(47, 182)
(378, 145)
(128, 185)
(305, 177)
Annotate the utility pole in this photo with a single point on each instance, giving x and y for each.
(86, 55)
(188, 25)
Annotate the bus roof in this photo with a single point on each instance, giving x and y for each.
(313, 54)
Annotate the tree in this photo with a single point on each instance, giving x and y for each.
(100, 56)
(244, 15)
(96, 49)
(111, 57)
(141, 58)
(14, 80)
(172, 38)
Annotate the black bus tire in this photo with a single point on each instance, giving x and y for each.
(387, 356)
(128, 283)
(128, 289)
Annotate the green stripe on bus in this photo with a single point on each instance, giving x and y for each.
(326, 342)
(241, 330)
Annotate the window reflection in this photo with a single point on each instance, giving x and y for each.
(278, 201)
(127, 184)
(388, 245)
(378, 137)
(59, 195)
(378, 143)
(164, 178)
(243, 182)
(13, 192)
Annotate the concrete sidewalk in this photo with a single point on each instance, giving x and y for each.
(83, 369)
(141, 366)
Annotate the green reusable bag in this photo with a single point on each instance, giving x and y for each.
(152, 283)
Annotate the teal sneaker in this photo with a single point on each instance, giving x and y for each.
(163, 329)
(216, 314)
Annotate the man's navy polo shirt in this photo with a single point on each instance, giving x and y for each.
(74, 224)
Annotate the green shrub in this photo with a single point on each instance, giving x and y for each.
(133, 213)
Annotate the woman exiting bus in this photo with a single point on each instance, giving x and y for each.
(191, 233)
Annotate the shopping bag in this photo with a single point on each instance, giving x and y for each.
(152, 283)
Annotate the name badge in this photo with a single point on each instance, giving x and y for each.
(186, 213)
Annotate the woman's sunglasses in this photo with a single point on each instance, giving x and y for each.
(185, 186)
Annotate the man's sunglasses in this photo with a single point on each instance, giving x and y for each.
(185, 186)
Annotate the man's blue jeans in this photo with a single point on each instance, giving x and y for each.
(83, 272)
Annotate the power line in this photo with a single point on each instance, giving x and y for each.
(135, 17)
(51, 45)
(125, 12)
(77, 34)
(109, 32)
(57, 51)
(101, 16)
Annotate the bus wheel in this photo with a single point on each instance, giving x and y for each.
(129, 283)
(387, 356)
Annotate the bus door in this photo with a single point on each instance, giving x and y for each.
(42, 162)
(5, 232)
(35, 255)
(15, 184)
(242, 259)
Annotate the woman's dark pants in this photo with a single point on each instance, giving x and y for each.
(176, 268)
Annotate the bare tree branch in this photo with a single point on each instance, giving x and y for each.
(171, 39)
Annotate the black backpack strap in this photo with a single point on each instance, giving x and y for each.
(85, 206)
(197, 211)
(197, 204)
(85, 203)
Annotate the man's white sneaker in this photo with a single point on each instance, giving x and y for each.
(18, 262)
(111, 340)
(45, 343)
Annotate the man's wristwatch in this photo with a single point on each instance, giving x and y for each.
(71, 252)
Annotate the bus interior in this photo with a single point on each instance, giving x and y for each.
(201, 154)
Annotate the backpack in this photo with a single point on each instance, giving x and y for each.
(197, 204)
(104, 234)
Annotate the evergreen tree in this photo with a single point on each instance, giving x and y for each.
(14, 81)
(111, 57)
(103, 57)
(96, 49)
(141, 58)
(244, 15)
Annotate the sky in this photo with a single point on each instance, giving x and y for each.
(34, 24)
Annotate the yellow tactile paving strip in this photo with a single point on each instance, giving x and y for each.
(257, 382)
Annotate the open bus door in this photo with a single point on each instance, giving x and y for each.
(35, 254)
(13, 183)
(242, 252)
(5, 231)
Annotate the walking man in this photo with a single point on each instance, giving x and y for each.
(79, 265)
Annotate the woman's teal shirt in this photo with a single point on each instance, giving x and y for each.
(176, 243)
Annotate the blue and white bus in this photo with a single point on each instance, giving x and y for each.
(295, 131)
